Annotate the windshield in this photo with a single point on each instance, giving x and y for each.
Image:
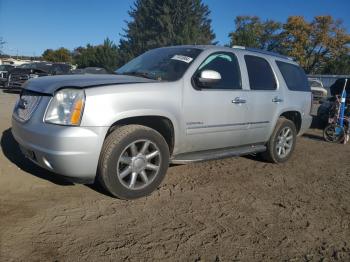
(25, 66)
(163, 64)
(3, 68)
(41, 66)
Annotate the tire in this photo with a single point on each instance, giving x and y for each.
(334, 133)
(273, 153)
(129, 165)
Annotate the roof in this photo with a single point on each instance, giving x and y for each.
(254, 50)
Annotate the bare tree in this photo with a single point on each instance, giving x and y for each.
(2, 43)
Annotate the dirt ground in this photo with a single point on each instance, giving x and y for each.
(238, 209)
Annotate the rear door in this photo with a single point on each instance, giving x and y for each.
(265, 97)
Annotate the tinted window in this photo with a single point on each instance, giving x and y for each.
(226, 64)
(5, 67)
(294, 77)
(260, 73)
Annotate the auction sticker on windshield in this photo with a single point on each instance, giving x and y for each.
(182, 58)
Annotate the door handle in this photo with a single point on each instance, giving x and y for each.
(238, 101)
(277, 100)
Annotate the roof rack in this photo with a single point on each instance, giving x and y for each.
(256, 50)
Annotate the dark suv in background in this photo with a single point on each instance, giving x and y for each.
(4, 69)
(17, 76)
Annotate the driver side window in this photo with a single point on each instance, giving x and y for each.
(227, 66)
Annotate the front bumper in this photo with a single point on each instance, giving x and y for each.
(69, 151)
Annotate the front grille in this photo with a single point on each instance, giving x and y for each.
(3, 74)
(317, 93)
(19, 77)
(17, 80)
(26, 105)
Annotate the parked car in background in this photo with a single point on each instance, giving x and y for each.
(317, 89)
(89, 70)
(178, 105)
(4, 69)
(19, 75)
(327, 106)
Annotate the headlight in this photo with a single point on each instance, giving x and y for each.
(66, 107)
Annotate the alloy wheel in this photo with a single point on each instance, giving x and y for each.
(139, 164)
(284, 142)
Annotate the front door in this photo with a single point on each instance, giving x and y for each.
(215, 115)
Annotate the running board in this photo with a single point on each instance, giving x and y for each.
(216, 154)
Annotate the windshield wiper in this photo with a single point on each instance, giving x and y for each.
(141, 74)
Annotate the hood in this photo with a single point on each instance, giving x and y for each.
(49, 84)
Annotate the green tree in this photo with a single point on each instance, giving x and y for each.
(63, 55)
(156, 23)
(252, 32)
(48, 55)
(60, 55)
(340, 66)
(320, 46)
(85, 56)
(105, 56)
(315, 44)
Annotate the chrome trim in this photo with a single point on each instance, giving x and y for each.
(234, 124)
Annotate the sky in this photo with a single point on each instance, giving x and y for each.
(31, 26)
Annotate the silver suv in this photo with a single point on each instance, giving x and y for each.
(176, 105)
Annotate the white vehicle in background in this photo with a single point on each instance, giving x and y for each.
(317, 89)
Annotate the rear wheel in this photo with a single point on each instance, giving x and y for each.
(282, 142)
(133, 161)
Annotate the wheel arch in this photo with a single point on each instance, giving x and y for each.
(162, 124)
(294, 116)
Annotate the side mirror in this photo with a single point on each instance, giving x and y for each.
(208, 77)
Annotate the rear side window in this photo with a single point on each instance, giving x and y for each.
(294, 76)
(260, 73)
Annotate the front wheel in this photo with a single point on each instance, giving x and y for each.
(133, 161)
(282, 142)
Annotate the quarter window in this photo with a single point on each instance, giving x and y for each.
(260, 73)
(227, 65)
(294, 76)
